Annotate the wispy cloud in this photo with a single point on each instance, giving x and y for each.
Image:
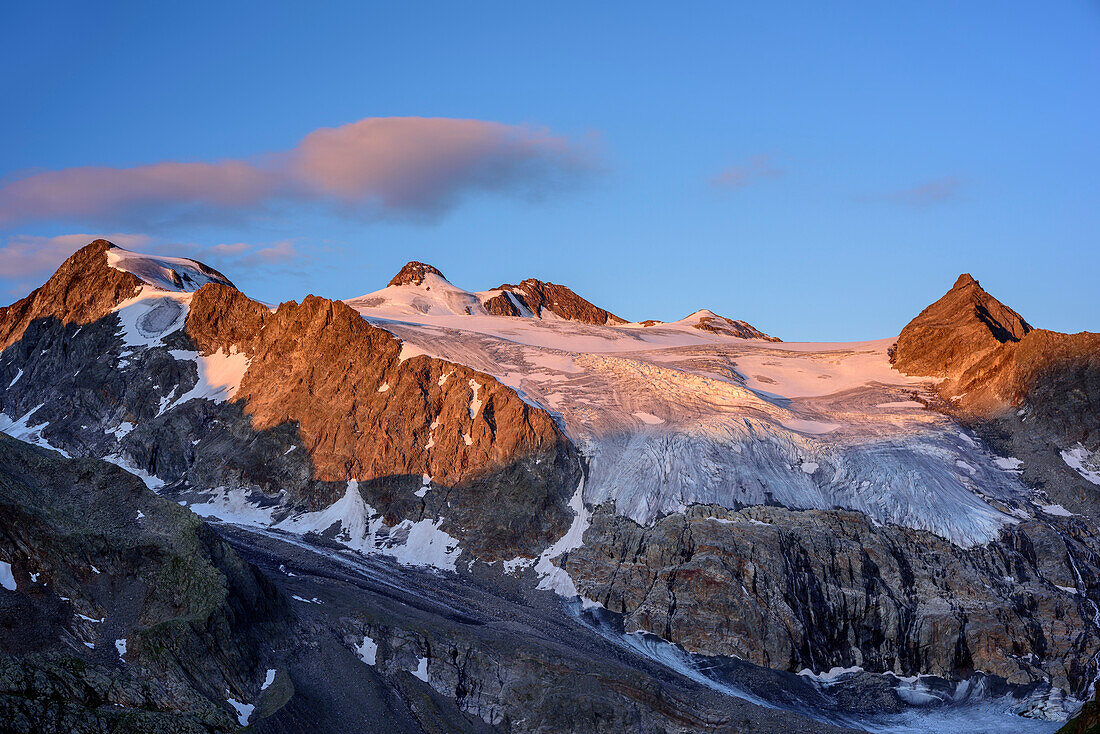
(755, 169)
(26, 261)
(936, 191)
(384, 167)
(27, 256)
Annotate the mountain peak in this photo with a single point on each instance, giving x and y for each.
(957, 330)
(706, 320)
(964, 280)
(414, 273)
(539, 298)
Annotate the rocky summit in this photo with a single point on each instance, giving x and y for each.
(432, 509)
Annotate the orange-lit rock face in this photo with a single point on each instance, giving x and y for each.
(537, 296)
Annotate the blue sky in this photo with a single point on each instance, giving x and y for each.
(822, 171)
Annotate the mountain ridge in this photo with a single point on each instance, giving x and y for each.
(658, 478)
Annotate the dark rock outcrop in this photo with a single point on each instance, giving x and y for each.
(537, 296)
(822, 589)
(715, 324)
(413, 274)
(1087, 720)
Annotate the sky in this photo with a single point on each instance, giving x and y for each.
(821, 170)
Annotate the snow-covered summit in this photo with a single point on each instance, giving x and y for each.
(706, 320)
(178, 274)
(419, 290)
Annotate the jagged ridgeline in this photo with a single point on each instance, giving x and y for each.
(434, 509)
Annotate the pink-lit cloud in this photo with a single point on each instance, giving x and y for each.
(755, 169)
(937, 191)
(27, 256)
(388, 167)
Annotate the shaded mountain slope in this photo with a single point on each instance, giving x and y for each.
(127, 610)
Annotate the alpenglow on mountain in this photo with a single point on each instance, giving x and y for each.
(428, 509)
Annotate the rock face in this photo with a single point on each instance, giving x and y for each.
(957, 331)
(536, 296)
(1087, 721)
(993, 361)
(413, 274)
(82, 290)
(127, 610)
(823, 589)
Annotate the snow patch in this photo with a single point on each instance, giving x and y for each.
(421, 671)
(269, 678)
(1056, 510)
(149, 316)
(1084, 463)
(367, 650)
(233, 507)
(178, 274)
(514, 566)
(22, 430)
(152, 482)
(553, 578)
(816, 428)
(7, 580)
(220, 374)
(964, 466)
(830, 675)
(408, 351)
(244, 710)
(120, 645)
(648, 418)
(475, 404)
(360, 527)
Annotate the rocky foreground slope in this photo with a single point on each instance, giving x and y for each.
(121, 611)
(890, 535)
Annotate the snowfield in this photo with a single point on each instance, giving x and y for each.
(669, 415)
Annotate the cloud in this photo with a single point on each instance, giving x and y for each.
(26, 261)
(240, 255)
(383, 167)
(755, 169)
(27, 256)
(927, 194)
